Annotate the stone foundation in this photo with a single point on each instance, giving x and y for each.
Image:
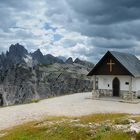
(101, 93)
(125, 95)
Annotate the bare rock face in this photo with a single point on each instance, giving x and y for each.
(22, 84)
(12, 57)
(37, 77)
(69, 60)
(50, 59)
(84, 63)
(38, 56)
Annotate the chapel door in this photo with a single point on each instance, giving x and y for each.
(116, 87)
(1, 100)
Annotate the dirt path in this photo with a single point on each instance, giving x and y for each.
(69, 105)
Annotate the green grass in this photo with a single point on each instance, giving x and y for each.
(35, 100)
(101, 117)
(66, 128)
(121, 121)
(63, 132)
(138, 136)
(116, 135)
(45, 65)
(53, 132)
(136, 118)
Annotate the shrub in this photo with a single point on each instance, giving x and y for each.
(138, 136)
(35, 100)
(121, 121)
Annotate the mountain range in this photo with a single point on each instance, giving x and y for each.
(17, 54)
(25, 76)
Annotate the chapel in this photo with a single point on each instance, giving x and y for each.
(116, 75)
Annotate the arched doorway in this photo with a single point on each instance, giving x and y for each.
(1, 100)
(116, 87)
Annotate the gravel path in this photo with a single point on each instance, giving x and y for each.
(69, 105)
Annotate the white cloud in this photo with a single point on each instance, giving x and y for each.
(83, 29)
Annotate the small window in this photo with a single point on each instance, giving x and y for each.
(108, 85)
(96, 83)
(127, 83)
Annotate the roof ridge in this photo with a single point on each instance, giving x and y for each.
(123, 53)
(129, 61)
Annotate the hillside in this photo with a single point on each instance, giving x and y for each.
(26, 77)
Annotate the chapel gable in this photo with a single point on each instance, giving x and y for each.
(109, 65)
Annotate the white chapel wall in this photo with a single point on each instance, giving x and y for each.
(134, 86)
(105, 82)
(137, 81)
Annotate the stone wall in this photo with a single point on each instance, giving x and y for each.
(102, 93)
(125, 95)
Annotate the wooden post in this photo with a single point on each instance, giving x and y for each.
(94, 80)
(130, 88)
(94, 86)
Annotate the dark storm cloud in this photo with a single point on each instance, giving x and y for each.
(109, 24)
(17, 22)
(126, 30)
(100, 25)
(12, 10)
(107, 18)
(107, 11)
(22, 5)
(109, 44)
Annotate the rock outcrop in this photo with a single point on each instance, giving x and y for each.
(25, 77)
(69, 60)
(84, 63)
(50, 59)
(38, 56)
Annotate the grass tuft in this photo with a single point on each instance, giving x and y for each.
(136, 118)
(67, 128)
(121, 121)
(116, 135)
(35, 100)
(101, 117)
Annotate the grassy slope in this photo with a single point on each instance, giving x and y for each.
(91, 127)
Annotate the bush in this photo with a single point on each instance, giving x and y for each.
(138, 136)
(101, 132)
(35, 100)
(121, 121)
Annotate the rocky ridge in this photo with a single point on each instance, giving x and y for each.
(26, 77)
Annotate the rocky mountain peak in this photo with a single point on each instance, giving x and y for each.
(17, 49)
(26, 76)
(84, 63)
(77, 60)
(50, 59)
(15, 55)
(38, 56)
(37, 53)
(69, 60)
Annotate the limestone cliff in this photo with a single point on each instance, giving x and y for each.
(27, 77)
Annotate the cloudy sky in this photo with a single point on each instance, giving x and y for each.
(77, 28)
